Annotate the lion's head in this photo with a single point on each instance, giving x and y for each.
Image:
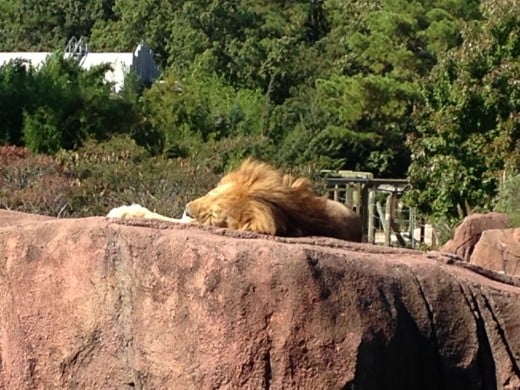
(256, 197)
(239, 200)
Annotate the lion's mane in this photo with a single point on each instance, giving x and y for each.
(257, 197)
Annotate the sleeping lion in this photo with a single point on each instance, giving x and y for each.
(258, 198)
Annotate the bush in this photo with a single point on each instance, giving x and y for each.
(61, 105)
(42, 133)
(16, 81)
(118, 171)
(32, 183)
(194, 110)
(102, 175)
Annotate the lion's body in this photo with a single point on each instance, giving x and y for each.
(259, 198)
(256, 197)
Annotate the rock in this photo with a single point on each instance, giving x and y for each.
(93, 303)
(468, 233)
(499, 250)
(10, 218)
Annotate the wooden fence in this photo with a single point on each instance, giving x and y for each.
(377, 200)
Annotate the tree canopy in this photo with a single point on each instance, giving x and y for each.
(425, 89)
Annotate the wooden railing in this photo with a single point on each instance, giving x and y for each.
(376, 199)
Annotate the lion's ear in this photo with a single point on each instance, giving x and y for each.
(259, 219)
(302, 183)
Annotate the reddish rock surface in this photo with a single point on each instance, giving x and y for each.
(469, 231)
(10, 218)
(93, 303)
(499, 250)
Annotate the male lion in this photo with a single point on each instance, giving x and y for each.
(258, 198)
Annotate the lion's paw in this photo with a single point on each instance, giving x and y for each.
(129, 212)
(136, 211)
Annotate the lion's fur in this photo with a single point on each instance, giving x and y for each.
(257, 197)
(136, 211)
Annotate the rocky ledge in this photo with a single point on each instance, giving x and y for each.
(95, 303)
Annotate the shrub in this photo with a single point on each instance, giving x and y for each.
(118, 171)
(32, 183)
(102, 175)
(197, 109)
(41, 129)
(61, 105)
(16, 81)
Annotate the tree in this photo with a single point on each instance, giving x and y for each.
(134, 21)
(253, 45)
(47, 25)
(469, 135)
(16, 94)
(60, 105)
(200, 108)
(364, 94)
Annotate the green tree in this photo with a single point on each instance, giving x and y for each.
(134, 21)
(60, 105)
(469, 135)
(73, 105)
(47, 25)
(200, 108)
(16, 94)
(364, 94)
(253, 45)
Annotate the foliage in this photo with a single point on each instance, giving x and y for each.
(508, 200)
(198, 109)
(16, 93)
(358, 110)
(469, 132)
(102, 175)
(47, 25)
(32, 183)
(61, 105)
(42, 131)
(99, 176)
(251, 45)
(134, 21)
(118, 171)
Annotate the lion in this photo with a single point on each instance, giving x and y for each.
(258, 198)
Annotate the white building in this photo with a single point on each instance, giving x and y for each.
(140, 61)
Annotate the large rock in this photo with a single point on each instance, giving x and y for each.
(93, 303)
(469, 231)
(10, 218)
(499, 250)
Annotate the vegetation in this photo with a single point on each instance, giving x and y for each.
(428, 90)
(60, 105)
(508, 200)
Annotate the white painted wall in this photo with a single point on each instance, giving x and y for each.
(140, 61)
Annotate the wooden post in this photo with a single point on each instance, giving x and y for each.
(394, 219)
(411, 226)
(381, 215)
(348, 195)
(370, 215)
(388, 217)
(358, 199)
(362, 211)
(421, 234)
